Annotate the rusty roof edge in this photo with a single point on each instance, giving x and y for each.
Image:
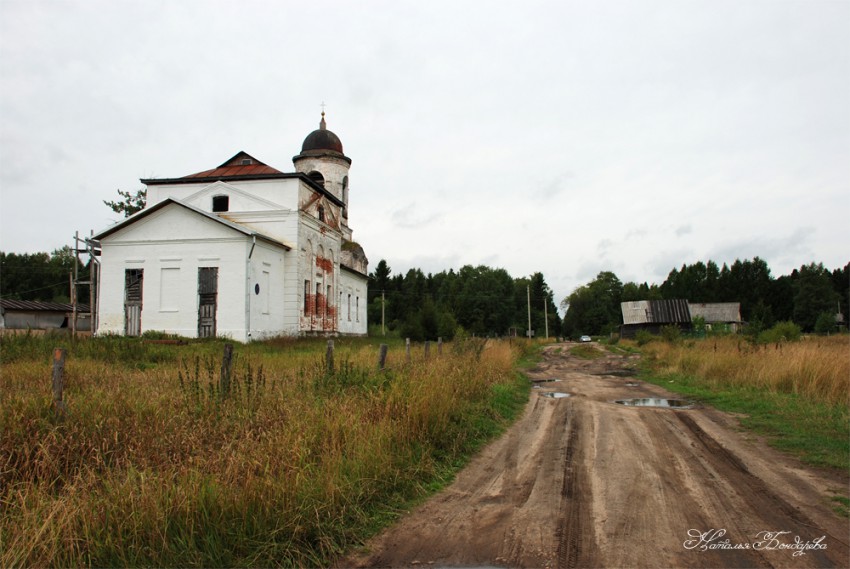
(210, 179)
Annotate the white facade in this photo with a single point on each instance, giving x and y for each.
(241, 251)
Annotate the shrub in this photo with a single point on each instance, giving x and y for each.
(825, 323)
(671, 334)
(642, 337)
(780, 332)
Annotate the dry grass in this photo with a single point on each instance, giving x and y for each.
(153, 467)
(816, 368)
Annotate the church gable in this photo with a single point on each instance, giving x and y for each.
(173, 221)
(221, 197)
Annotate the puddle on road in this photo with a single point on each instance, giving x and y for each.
(617, 373)
(632, 384)
(555, 394)
(656, 402)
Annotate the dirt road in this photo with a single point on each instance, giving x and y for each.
(583, 482)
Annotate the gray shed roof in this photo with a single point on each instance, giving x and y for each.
(656, 312)
(39, 306)
(728, 312)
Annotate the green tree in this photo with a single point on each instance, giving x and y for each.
(633, 291)
(594, 308)
(38, 276)
(129, 203)
(825, 323)
(813, 295)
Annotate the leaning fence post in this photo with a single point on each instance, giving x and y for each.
(382, 357)
(58, 380)
(427, 349)
(407, 347)
(226, 368)
(329, 358)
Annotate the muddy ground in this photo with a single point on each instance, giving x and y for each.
(585, 482)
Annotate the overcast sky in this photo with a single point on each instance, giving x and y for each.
(562, 137)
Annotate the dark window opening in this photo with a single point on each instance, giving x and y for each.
(321, 213)
(220, 203)
(317, 177)
(246, 161)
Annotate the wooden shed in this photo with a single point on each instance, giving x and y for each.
(653, 315)
(716, 314)
(38, 315)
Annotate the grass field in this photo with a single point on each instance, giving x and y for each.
(155, 465)
(796, 393)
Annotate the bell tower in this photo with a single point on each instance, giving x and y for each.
(322, 159)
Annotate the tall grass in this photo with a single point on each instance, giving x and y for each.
(796, 394)
(816, 368)
(153, 466)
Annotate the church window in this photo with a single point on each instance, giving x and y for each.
(345, 197)
(318, 298)
(317, 177)
(349, 308)
(220, 203)
(321, 213)
(357, 308)
(306, 298)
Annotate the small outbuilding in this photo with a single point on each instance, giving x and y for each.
(718, 314)
(653, 315)
(38, 315)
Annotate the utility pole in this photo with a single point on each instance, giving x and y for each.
(546, 315)
(383, 330)
(528, 294)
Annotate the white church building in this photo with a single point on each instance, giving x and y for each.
(243, 251)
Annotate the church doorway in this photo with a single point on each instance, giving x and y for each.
(207, 295)
(133, 279)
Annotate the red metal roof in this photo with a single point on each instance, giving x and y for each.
(243, 164)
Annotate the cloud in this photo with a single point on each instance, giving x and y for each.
(411, 217)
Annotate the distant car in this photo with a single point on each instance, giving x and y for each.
(585, 339)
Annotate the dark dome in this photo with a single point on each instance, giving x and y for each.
(321, 140)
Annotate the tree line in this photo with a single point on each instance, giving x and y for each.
(38, 276)
(480, 301)
(485, 301)
(810, 296)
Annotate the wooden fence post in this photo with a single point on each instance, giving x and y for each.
(382, 357)
(427, 349)
(329, 358)
(226, 368)
(407, 347)
(440, 346)
(58, 381)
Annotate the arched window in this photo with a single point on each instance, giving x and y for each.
(317, 177)
(345, 197)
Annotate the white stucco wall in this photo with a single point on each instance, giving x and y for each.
(353, 303)
(170, 245)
